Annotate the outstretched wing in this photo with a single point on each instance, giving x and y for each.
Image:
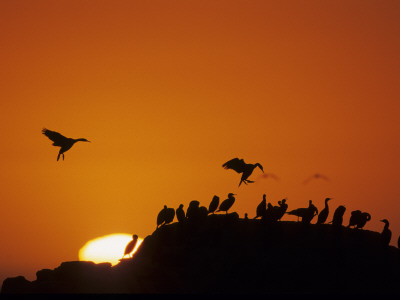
(56, 137)
(235, 164)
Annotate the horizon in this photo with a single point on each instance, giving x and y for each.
(166, 93)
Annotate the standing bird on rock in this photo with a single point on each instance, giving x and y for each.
(386, 234)
(161, 216)
(131, 245)
(169, 215)
(323, 215)
(337, 219)
(180, 214)
(61, 141)
(227, 203)
(240, 166)
(261, 208)
(306, 213)
(282, 209)
(192, 213)
(213, 204)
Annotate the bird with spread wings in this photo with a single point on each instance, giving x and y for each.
(240, 166)
(61, 141)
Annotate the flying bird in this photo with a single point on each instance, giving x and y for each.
(323, 215)
(61, 141)
(315, 176)
(227, 203)
(131, 245)
(240, 166)
(267, 175)
(213, 204)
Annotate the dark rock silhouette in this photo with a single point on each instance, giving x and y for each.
(358, 219)
(61, 141)
(226, 254)
(323, 215)
(240, 166)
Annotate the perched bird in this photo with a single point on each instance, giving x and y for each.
(131, 245)
(213, 204)
(261, 208)
(315, 176)
(203, 212)
(246, 217)
(337, 219)
(240, 166)
(282, 209)
(180, 214)
(227, 203)
(161, 216)
(359, 219)
(386, 234)
(323, 215)
(61, 141)
(192, 212)
(306, 213)
(169, 215)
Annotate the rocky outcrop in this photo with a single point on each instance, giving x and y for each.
(226, 254)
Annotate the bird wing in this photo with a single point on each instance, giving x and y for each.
(235, 164)
(56, 137)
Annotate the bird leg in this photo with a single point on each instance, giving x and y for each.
(63, 156)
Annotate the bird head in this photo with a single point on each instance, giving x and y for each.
(385, 221)
(260, 166)
(328, 199)
(230, 195)
(83, 140)
(134, 236)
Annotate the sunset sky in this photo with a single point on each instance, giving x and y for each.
(168, 91)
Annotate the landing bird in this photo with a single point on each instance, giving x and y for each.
(315, 176)
(227, 203)
(61, 141)
(261, 208)
(180, 214)
(323, 215)
(131, 245)
(213, 204)
(240, 166)
(386, 234)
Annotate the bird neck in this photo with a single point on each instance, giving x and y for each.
(79, 140)
(386, 226)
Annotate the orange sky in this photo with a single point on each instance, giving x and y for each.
(167, 91)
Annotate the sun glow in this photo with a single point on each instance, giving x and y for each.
(109, 248)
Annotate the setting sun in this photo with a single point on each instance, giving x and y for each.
(108, 248)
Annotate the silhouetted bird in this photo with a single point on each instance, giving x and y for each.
(306, 213)
(131, 245)
(261, 208)
(227, 203)
(161, 216)
(337, 219)
(203, 212)
(180, 214)
(169, 215)
(323, 215)
(240, 166)
(282, 209)
(61, 141)
(315, 176)
(213, 204)
(246, 217)
(192, 212)
(386, 234)
(358, 219)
